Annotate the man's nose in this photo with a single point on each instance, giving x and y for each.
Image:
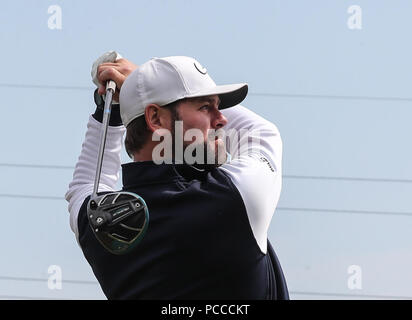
(219, 121)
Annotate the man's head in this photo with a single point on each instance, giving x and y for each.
(175, 94)
(200, 120)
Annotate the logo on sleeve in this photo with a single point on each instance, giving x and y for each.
(263, 159)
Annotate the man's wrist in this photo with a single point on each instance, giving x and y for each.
(115, 118)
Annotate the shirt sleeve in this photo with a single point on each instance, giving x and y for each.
(85, 170)
(255, 167)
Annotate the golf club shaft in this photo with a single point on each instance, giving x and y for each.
(110, 89)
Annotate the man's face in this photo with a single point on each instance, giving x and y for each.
(204, 115)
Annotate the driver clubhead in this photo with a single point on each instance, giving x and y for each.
(119, 220)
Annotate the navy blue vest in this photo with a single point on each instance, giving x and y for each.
(199, 243)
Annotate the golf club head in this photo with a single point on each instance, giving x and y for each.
(119, 220)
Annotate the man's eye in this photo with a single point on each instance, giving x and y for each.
(204, 107)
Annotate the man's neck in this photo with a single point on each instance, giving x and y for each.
(144, 154)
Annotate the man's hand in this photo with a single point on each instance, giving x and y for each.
(116, 71)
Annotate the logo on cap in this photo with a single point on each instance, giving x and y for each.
(200, 68)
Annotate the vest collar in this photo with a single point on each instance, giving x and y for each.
(148, 172)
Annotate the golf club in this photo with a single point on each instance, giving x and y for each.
(119, 220)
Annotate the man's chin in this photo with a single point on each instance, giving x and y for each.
(220, 156)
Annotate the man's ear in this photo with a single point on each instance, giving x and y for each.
(157, 117)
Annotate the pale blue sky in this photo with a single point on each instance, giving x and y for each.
(341, 99)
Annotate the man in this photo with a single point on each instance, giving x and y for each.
(207, 236)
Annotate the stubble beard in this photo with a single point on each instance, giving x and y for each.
(218, 151)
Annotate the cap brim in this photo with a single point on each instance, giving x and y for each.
(229, 95)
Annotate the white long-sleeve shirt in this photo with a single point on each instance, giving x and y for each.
(255, 169)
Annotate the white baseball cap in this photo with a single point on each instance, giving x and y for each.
(165, 80)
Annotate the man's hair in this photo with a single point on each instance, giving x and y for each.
(137, 133)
